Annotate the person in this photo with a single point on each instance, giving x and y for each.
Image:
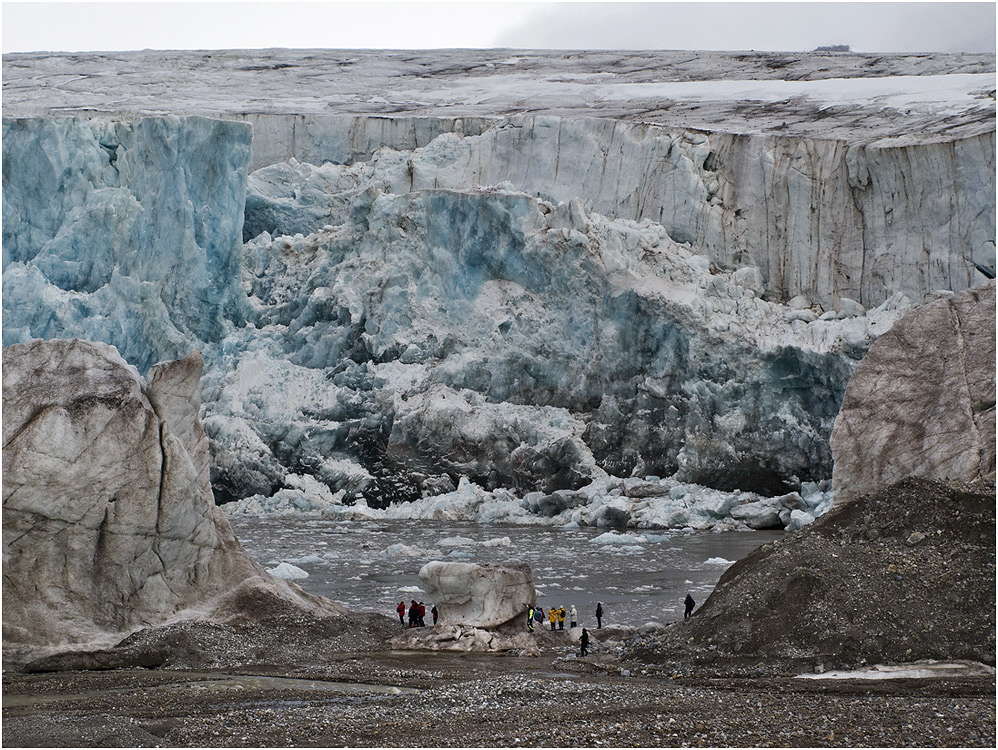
(401, 610)
(561, 617)
(413, 611)
(420, 614)
(552, 617)
(539, 614)
(583, 642)
(530, 618)
(434, 613)
(573, 617)
(690, 604)
(599, 615)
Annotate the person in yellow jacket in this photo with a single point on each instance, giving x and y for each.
(552, 616)
(561, 617)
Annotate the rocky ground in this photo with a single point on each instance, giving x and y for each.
(443, 700)
(902, 576)
(905, 574)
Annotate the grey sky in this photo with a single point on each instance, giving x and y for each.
(867, 27)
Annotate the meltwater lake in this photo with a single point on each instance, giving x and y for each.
(639, 576)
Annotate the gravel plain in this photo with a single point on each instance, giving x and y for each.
(410, 699)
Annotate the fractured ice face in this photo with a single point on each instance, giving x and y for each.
(398, 342)
(123, 232)
(489, 334)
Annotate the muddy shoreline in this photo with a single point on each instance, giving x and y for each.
(421, 699)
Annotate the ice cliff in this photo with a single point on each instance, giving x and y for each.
(825, 218)
(537, 303)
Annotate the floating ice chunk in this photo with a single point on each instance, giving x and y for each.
(719, 561)
(307, 560)
(411, 590)
(288, 572)
(456, 541)
(656, 538)
(503, 541)
(611, 537)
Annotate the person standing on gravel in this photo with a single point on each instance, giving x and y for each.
(530, 618)
(599, 615)
(552, 617)
(434, 613)
(561, 617)
(584, 642)
(401, 610)
(690, 604)
(573, 617)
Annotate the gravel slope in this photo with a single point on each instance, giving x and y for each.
(898, 576)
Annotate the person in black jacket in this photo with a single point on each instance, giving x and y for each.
(690, 604)
(599, 614)
(583, 642)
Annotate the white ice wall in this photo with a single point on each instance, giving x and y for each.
(823, 218)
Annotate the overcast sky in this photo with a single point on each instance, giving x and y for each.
(787, 26)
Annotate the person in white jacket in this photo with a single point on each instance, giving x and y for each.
(573, 617)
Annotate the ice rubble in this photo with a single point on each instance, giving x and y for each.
(635, 503)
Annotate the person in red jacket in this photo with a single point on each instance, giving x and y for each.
(434, 613)
(401, 610)
(422, 614)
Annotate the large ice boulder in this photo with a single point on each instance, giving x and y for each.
(109, 524)
(922, 401)
(480, 596)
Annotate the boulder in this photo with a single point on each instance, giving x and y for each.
(478, 596)
(109, 524)
(922, 401)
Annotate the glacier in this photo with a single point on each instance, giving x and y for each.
(511, 318)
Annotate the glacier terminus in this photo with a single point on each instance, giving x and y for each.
(638, 303)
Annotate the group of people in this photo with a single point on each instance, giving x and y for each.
(417, 611)
(535, 615)
(556, 616)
